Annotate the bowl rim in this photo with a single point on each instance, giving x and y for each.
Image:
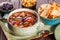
(50, 19)
(26, 9)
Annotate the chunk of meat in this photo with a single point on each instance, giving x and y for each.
(29, 19)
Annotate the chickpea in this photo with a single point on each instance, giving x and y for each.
(29, 4)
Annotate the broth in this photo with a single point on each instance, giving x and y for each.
(23, 19)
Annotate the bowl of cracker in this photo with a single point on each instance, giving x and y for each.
(50, 13)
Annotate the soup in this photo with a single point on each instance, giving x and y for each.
(23, 19)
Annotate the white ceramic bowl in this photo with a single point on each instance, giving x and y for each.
(28, 30)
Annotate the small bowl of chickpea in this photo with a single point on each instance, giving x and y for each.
(31, 4)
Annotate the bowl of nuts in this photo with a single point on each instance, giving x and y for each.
(50, 13)
(31, 4)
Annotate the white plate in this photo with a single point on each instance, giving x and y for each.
(57, 32)
(13, 37)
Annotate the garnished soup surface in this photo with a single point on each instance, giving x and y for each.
(23, 19)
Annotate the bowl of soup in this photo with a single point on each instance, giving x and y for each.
(23, 21)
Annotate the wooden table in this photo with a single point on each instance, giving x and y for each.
(17, 4)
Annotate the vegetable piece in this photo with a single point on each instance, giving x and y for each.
(29, 19)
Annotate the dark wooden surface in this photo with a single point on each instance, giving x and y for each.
(17, 4)
(2, 36)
